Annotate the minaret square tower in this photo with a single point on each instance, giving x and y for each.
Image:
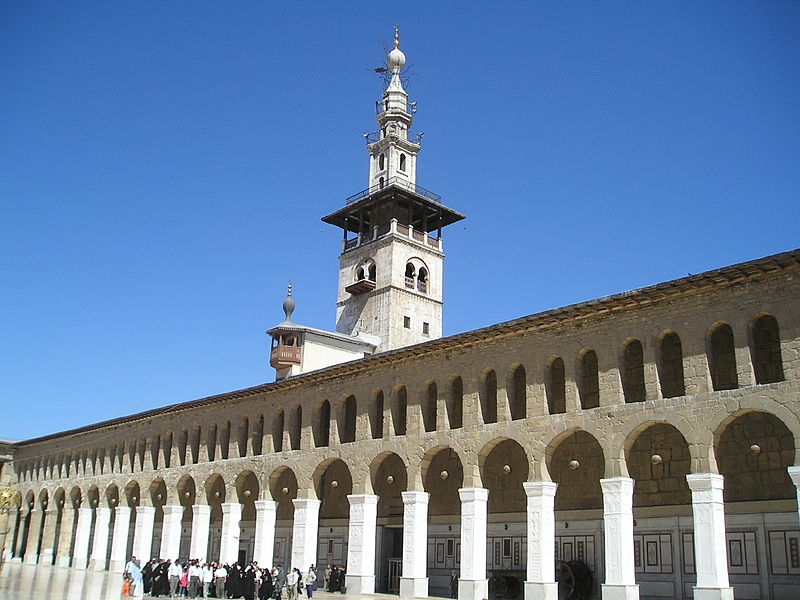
(390, 268)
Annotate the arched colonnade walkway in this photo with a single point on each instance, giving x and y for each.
(494, 504)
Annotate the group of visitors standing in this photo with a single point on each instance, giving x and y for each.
(162, 578)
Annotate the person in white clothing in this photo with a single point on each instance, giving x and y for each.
(174, 573)
(207, 577)
(291, 584)
(195, 575)
(220, 576)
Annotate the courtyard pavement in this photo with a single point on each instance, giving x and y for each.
(29, 582)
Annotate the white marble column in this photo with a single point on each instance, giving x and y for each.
(171, 532)
(229, 540)
(32, 543)
(266, 511)
(794, 473)
(8, 540)
(361, 543)
(620, 583)
(102, 520)
(540, 583)
(68, 514)
(48, 537)
(304, 532)
(201, 525)
(82, 533)
(414, 581)
(143, 532)
(119, 539)
(472, 583)
(710, 547)
(23, 528)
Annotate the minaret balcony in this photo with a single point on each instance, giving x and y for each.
(362, 286)
(281, 357)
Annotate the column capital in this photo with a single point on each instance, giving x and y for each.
(704, 482)
(368, 499)
(265, 505)
(203, 509)
(171, 509)
(415, 497)
(794, 473)
(536, 489)
(306, 503)
(473, 494)
(618, 485)
(142, 510)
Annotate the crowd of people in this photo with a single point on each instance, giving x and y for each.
(160, 578)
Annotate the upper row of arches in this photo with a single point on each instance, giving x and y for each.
(440, 405)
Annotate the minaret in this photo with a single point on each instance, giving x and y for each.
(390, 268)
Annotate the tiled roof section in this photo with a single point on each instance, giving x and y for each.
(754, 269)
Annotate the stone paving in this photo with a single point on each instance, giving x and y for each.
(29, 582)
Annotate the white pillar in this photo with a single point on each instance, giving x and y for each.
(472, 583)
(361, 543)
(304, 532)
(68, 514)
(32, 543)
(171, 532)
(82, 533)
(143, 532)
(414, 581)
(119, 539)
(710, 547)
(540, 583)
(100, 543)
(265, 533)
(201, 524)
(229, 540)
(48, 537)
(794, 473)
(620, 581)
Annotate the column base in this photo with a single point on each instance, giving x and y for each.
(360, 584)
(116, 566)
(411, 587)
(97, 565)
(63, 561)
(716, 593)
(17, 559)
(79, 563)
(31, 559)
(473, 589)
(46, 557)
(541, 591)
(621, 592)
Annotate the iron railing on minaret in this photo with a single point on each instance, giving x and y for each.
(398, 182)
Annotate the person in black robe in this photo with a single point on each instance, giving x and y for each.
(160, 580)
(249, 583)
(147, 576)
(234, 586)
(267, 586)
(335, 584)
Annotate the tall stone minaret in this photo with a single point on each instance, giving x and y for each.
(390, 268)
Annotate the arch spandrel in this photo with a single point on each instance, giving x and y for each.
(719, 421)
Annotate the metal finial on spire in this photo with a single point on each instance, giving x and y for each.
(288, 305)
(396, 36)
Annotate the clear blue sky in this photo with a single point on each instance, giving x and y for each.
(164, 166)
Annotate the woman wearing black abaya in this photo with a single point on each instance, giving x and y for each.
(248, 583)
(234, 586)
(266, 589)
